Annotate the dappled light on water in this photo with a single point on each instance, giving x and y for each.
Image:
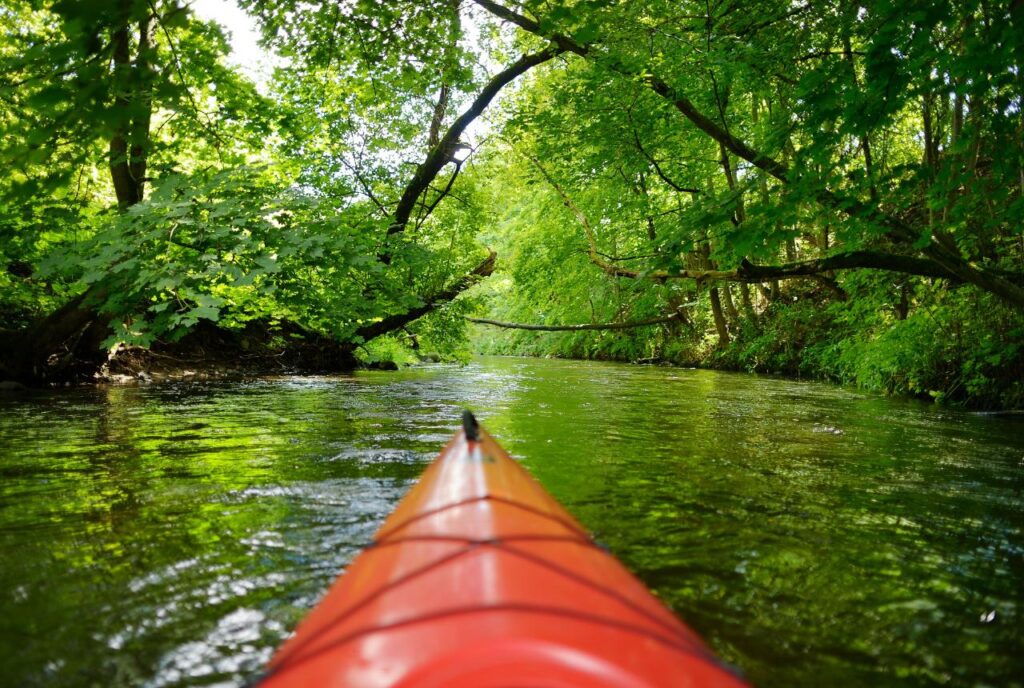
(173, 535)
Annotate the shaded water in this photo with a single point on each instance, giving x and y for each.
(172, 535)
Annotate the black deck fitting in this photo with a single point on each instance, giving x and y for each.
(470, 425)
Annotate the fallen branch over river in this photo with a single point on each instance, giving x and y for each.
(586, 326)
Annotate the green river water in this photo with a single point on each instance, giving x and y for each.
(173, 534)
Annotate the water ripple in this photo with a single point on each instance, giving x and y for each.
(173, 535)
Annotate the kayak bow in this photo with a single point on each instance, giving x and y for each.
(480, 579)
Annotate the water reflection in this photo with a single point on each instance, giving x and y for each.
(171, 535)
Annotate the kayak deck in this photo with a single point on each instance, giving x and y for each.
(479, 578)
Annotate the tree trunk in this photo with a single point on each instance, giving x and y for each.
(790, 251)
(132, 84)
(66, 344)
(902, 307)
(61, 346)
(730, 306)
(748, 304)
(716, 312)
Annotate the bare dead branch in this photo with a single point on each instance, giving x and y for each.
(587, 326)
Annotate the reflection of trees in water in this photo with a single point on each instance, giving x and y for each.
(786, 521)
(801, 553)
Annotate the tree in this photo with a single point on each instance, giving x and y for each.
(784, 145)
(306, 238)
(81, 76)
(895, 219)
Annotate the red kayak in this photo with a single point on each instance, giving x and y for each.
(480, 579)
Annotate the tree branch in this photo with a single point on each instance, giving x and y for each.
(428, 209)
(199, 114)
(363, 184)
(748, 272)
(579, 328)
(441, 154)
(431, 303)
(595, 255)
(438, 119)
(657, 168)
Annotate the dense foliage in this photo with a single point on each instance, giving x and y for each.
(151, 186)
(824, 189)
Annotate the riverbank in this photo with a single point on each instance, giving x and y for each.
(962, 351)
(959, 349)
(205, 352)
(129, 364)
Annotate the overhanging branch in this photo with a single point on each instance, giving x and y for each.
(579, 328)
(657, 168)
(430, 303)
(441, 154)
(751, 273)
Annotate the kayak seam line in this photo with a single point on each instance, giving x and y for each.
(472, 500)
(470, 545)
(370, 597)
(500, 546)
(583, 580)
(482, 541)
(521, 608)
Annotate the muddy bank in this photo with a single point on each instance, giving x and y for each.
(208, 351)
(211, 352)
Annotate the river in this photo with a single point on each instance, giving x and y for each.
(173, 534)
